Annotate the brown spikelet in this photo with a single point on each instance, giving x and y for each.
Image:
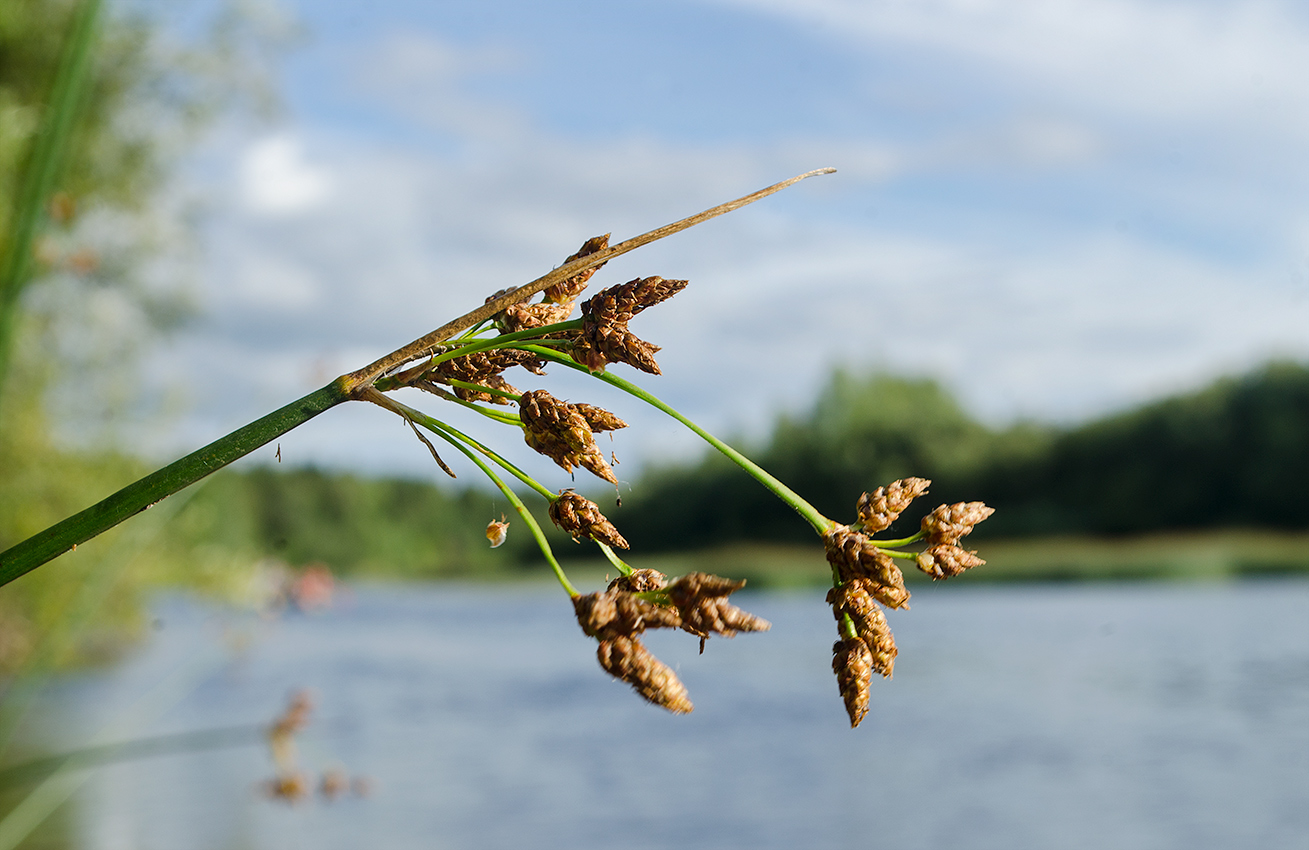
(627, 658)
(581, 517)
(557, 430)
(598, 418)
(880, 508)
(566, 291)
(855, 556)
(853, 598)
(853, 664)
(605, 338)
(947, 560)
(616, 612)
(522, 317)
(701, 599)
(948, 523)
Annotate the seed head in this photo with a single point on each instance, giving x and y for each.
(853, 664)
(605, 338)
(640, 581)
(946, 560)
(557, 430)
(612, 613)
(581, 517)
(948, 523)
(599, 419)
(566, 291)
(854, 598)
(522, 317)
(855, 556)
(880, 508)
(701, 599)
(627, 658)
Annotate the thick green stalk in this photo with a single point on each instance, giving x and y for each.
(43, 166)
(139, 495)
(820, 523)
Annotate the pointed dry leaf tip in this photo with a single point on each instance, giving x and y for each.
(855, 556)
(605, 337)
(640, 581)
(880, 508)
(701, 599)
(566, 291)
(581, 517)
(626, 658)
(948, 523)
(946, 560)
(497, 532)
(853, 598)
(852, 662)
(557, 430)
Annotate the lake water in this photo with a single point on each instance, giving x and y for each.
(1112, 716)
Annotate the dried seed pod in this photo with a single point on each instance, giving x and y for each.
(701, 599)
(627, 658)
(855, 556)
(640, 581)
(852, 662)
(947, 560)
(581, 517)
(854, 598)
(567, 290)
(601, 343)
(557, 430)
(948, 523)
(620, 303)
(880, 508)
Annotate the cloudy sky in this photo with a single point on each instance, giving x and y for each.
(1057, 207)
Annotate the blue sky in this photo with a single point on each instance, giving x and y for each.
(1058, 208)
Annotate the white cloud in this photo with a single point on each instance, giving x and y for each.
(275, 179)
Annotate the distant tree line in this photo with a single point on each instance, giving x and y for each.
(1233, 454)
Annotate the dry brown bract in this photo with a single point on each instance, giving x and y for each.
(605, 337)
(566, 291)
(562, 433)
(880, 508)
(581, 517)
(855, 556)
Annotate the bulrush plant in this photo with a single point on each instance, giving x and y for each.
(464, 363)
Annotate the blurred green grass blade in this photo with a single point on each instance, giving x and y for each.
(44, 165)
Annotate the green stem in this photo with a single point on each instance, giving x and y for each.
(499, 341)
(479, 388)
(903, 541)
(820, 523)
(619, 563)
(440, 429)
(904, 556)
(432, 424)
(489, 413)
(140, 495)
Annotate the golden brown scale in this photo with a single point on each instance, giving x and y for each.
(852, 662)
(557, 430)
(878, 509)
(581, 517)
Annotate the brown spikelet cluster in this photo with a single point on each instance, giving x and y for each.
(484, 367)
(865, 575)
(563, 432)
(522, 317)
(566, 291)
(943, 557)
(856, 557)
(581, 517)
(695, 603)
(605, 337)
(878, 509)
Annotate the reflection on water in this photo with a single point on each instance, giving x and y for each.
(1151, 716)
